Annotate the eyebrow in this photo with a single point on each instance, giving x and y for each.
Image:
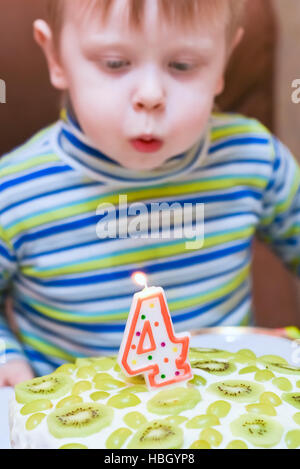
(185, 46)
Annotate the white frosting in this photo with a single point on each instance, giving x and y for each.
(41, 438)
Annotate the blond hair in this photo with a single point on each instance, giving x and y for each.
(181, 12)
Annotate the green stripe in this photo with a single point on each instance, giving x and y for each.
(45, 348)
(174, 305)
(159, 193)
(233, 130)
(138, 256)
(35, 161)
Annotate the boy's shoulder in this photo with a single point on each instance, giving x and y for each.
(235, 131)
(33, 154)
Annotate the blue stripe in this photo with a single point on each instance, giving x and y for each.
(36, 175)
(237, 142)
(148, 269)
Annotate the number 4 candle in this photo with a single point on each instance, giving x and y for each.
(149, 344)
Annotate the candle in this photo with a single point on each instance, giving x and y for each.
(149, 344)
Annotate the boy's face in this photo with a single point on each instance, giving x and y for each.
(125, 84)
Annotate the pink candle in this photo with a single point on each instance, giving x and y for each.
(149, 344)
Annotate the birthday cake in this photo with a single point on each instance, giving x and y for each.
(233, 400)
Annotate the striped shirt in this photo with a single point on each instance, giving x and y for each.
(72, 289)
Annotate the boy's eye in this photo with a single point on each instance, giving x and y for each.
(182, 67)
(116, 64)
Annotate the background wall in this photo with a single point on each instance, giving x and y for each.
(287, 114)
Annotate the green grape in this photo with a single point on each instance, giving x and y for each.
(98, 395)
(86, 372)
(198, 381)
(103, 364)
(117, 439)
(237, 444)
(296, 418)
(135, 420)
(67, 368)
(37, 405)
(123, 400)
(117, 368)
(247, 353)
(34, 420)
(200, 444)
(263, 375)
(68, 401)
(135, 389)
(203, 421)
(81, 386)
(270, 398)
(139, 379)
(283, 384)
(212, 436)
(298, 384)
(248, 369)
(176, 419)
(101, 377)
(107, 384)
(292, 439)
(219, 408)
(73, 446)
(265, 409)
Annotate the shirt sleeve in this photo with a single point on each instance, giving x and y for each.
(10, 347)
(279, 225)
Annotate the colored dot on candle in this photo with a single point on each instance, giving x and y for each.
(163, 376)
(143, 316)
(150, 357)
(133, 347)
(163, 344)
(166, 360)
(138, 334)
(177, 373)
(156, 324)
(175, 349)
(152, 305)
(134, 362)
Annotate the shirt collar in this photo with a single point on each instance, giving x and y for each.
(74, 146)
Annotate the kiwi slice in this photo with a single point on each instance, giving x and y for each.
(283, 368)
(292, 398)
(207, 353)
(258, 430)
(79, 420)
(173, 401)
(215, 367)
(157, 434)
(237, 390)
(50, 387)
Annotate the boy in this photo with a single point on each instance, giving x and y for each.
(140, 78)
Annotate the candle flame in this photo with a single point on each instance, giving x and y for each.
(140, 278)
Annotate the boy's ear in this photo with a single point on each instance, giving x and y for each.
(43, 36)
(235, 42)
(237, 39)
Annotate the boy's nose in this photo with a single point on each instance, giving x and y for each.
(150, 95)
(148, 104)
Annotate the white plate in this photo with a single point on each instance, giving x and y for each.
(231, 339)
(5, 394)
(260, 344)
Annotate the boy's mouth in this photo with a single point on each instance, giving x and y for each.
(146, 144)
